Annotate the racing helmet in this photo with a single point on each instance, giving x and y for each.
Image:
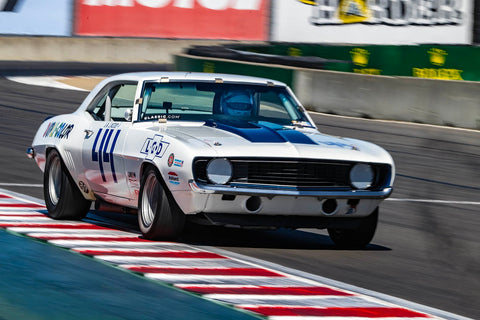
(237, 103)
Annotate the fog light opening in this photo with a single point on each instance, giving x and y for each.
(228, 197)
(329, 206)
(253, 204)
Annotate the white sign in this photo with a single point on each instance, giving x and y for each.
(373, 21)
(34, 17)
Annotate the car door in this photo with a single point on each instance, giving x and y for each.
(104, 141)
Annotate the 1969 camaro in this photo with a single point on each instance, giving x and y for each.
(216, 149)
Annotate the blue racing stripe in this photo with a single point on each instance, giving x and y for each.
(262, 132)
(112, 166)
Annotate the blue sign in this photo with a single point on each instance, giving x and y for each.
(34, 17)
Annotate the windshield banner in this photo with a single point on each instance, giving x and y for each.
(192, 19)
(33, 17)
(373, 21)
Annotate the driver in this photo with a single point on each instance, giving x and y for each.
(237, 103)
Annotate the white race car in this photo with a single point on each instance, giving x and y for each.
(218, 149)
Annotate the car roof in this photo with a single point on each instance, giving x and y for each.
(193, 76)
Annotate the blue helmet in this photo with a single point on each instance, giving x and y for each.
(237, 103)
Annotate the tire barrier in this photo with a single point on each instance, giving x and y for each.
(231, 53)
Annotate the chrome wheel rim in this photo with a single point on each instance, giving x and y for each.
(149, 200)
(55, 180)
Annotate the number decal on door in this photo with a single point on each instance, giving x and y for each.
(104, 153)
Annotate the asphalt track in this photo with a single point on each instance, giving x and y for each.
(424, 251)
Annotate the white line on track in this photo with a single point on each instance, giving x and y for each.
(474, 203)
(395, 121)
(6, 184)
(45, 81)
(470, 203)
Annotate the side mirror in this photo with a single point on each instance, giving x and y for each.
(128, 114)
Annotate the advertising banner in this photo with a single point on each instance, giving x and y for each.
(373, 21)
(34, 17)
(441, 62)
(192, 19)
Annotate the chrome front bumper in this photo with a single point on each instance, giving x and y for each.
(285, 191)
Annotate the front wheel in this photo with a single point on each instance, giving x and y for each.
(62, 197)
(356, 238)
(159, 217)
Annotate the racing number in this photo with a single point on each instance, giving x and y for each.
(105, 153)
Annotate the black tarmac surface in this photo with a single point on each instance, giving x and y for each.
(425, 252)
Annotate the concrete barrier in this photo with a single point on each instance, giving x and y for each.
(452, 103)
(96, 49)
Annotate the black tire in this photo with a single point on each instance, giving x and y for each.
(159, 217)
(356, 238)
(62, 197)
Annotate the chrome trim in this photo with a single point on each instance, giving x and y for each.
(255, 191)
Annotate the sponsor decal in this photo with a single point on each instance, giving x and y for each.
(193, 19)
(338, 144)
(360, 59)
(83, 186)
(59, 130)
(88, 134)
(178, 163)
(173, 178)
(171, 157)
(132, 177)
(112, 125)
(154, 147)
(163, 116)
(393, 13)
(102, 150)
(437, 58)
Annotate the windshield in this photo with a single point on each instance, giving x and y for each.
(196, 101)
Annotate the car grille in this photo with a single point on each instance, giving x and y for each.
(292, 173)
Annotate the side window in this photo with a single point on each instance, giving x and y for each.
(98, 112)
(122, 100)
(112, 104)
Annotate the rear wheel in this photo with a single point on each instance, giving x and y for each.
(356, 238)
(62, 197)
(159, 217)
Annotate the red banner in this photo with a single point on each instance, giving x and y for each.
(191, 19)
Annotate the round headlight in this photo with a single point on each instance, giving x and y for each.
(361, 176)
(219, 171)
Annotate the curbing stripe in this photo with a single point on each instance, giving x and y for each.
(374, 312)
(301, 291)
(248, 286)
(251, 272)
(149, 253)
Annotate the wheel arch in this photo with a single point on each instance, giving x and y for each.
(145, 165)
(61, 154)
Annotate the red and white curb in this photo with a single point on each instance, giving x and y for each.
(246, 285)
